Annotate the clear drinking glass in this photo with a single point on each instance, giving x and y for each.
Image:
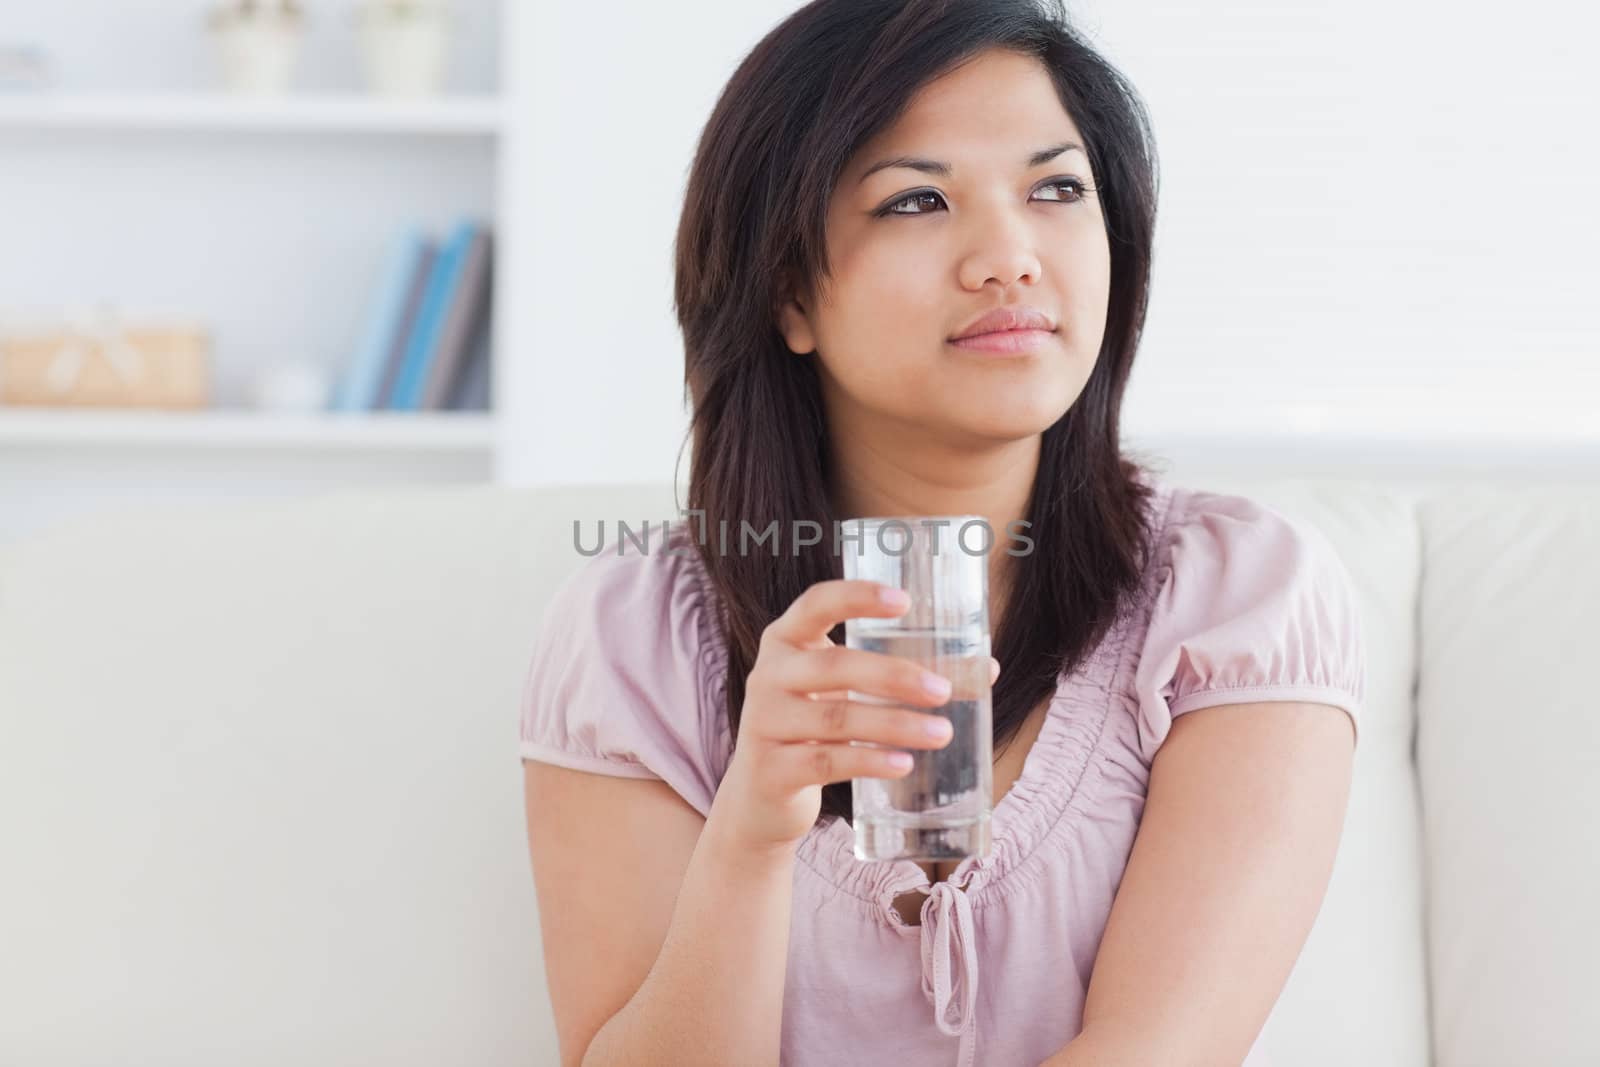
(940, 809)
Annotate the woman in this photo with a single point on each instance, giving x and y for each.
(877, 178)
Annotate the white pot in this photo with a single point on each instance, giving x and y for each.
(405, 54)
(291, 386)
(258, 55)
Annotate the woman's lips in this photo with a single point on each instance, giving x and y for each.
(1004, 341)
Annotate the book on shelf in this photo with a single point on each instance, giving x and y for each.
(424, 343)
(421, 268)
(384, 327)
(472, 388)
(465, 315)
(427, 336)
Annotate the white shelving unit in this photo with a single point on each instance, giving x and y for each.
(379, 431)
(302, 113)
(266, 217)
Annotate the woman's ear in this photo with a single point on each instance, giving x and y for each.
(794, 323)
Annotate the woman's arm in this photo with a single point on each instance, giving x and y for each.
(661, 945)
(1227, 873)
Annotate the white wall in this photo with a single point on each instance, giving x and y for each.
(1372, 203)
(616, 96)
(1375, 222)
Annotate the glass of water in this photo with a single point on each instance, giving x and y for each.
(940, 809)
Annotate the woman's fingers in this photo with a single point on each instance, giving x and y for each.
(795, 766)
(887, 677)
(824, 605)
(838, 719)
(834, 694)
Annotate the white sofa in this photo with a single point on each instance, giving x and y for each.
(260, 800)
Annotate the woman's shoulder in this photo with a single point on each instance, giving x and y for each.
(631, 574)
(1191, 521)
(623, 678)
(1210, 548)
(640, 601)
(1245, 603)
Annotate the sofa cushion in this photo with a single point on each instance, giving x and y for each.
(1508, 754)
(259, 786)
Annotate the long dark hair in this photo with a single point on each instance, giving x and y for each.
(813, 90)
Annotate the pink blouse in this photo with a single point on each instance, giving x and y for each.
(1237, 604)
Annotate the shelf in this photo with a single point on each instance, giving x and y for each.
(428, 431)
(292, 113)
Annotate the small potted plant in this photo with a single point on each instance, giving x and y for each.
(405, 43)
(258, 42)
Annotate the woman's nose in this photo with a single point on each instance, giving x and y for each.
(1001, 247)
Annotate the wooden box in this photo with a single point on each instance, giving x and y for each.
(133, 366)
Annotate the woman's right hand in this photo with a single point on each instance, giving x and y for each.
(797, 720)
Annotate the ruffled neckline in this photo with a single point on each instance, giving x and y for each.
(1045, 791)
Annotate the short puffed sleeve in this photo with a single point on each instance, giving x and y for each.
(622, 678)
(1249, 606)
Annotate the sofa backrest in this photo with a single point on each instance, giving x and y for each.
(260, 801)
(1508, 757)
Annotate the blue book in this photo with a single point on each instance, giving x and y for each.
(359, 385)
(408, 322)
(423, 345)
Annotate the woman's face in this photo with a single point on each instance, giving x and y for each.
(918, 254)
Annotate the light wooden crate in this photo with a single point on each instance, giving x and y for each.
(133, 367)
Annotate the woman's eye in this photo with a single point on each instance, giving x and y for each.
(914, 198)
(927, 196)
(1074, 183)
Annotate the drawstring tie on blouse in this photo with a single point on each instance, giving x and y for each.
(949, 961)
